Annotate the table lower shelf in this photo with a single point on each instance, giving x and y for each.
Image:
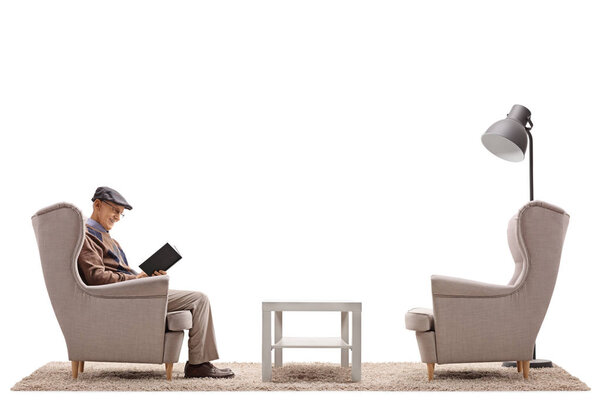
(311, 343)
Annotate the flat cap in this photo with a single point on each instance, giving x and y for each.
(108, 194)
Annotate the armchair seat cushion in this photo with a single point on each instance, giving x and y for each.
(419, 319)
(179, 320)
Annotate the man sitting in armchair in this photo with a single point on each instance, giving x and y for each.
(102, 261)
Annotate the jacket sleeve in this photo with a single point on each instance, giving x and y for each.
(91, 266)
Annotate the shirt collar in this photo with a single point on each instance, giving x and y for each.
(96, 225)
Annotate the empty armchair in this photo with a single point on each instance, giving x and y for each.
(480, 322)
(119, 322)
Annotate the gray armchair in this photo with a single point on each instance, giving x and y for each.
(118, 322)
(479, 322)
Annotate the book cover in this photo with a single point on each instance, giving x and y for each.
(163, 259)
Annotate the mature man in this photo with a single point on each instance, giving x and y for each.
(102, 260)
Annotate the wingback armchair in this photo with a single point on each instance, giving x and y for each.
(118, 322)
(479, 322)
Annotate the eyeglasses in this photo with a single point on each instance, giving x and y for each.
(116, 210)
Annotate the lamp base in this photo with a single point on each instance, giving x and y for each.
(532, 364)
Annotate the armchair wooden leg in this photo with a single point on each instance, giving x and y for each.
(169, 368)
(74, 368)
(519, 366)
(525, 365)
(81, 366)
(430, 368)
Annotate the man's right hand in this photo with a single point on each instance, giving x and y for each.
(141, 275)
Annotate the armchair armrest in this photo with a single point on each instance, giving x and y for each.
(457, 287)
(155, 286)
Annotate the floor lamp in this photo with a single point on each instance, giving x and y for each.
(508, 140)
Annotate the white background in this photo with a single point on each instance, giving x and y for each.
(301, 150)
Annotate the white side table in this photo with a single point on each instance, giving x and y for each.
(281, 342)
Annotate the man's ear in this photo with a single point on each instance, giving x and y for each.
(97, 204)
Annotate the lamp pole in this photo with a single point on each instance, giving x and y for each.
(528, 129)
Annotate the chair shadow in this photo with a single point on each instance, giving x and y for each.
(469, 375)
(127, 375)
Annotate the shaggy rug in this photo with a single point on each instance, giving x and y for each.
(315, 376)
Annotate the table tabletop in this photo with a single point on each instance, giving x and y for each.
(311, 306)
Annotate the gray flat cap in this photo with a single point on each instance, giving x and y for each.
(108, 194)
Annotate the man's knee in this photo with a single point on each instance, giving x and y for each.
(200, 298)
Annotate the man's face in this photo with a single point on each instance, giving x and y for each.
(108, 213)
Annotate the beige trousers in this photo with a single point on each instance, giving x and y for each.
(202, 344)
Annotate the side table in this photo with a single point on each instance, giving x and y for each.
(281, 342)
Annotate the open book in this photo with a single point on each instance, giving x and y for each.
(163, 259)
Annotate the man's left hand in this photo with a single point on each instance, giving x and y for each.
(159, 273)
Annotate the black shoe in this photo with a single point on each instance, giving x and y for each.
(206, 370)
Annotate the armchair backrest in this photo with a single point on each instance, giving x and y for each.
(535, 236)
(59, 234)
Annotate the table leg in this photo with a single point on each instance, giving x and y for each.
(356, 348)
(278, 335)
(266, 346)
(345, 338)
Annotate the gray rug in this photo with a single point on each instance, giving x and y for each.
(297, 377)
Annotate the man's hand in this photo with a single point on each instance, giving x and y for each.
(155, 273)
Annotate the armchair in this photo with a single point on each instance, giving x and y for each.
(118, 322)
(480, 322)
